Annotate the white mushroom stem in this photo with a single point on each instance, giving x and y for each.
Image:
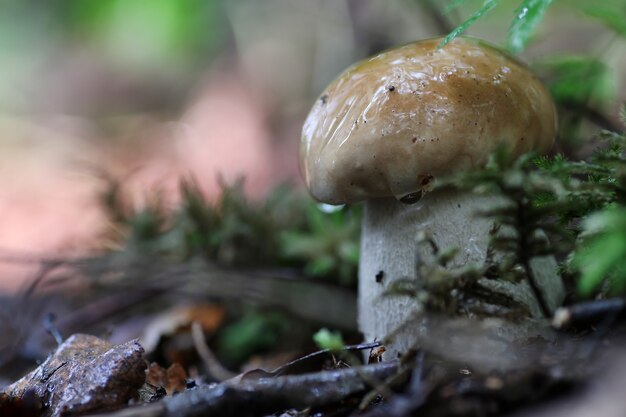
(389, 251)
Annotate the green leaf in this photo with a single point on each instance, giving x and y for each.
(602, 250)
(577, 79)
(603, 221)
(320, 266)
(326, 339)
(596, 261)
(528, 14)
(487, 7)
(254, 332)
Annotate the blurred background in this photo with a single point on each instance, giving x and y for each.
(147, 92)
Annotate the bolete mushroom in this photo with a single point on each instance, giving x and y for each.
(389, 125)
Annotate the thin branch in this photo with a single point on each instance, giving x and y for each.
(212, 365)
(588, 312)
(265, 396)
(350, 348)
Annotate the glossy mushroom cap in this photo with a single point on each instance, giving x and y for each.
(390, 124)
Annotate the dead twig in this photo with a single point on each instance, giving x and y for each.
(289, 365)
(212, 365)
(267, 395)
(51, 328)
(588, 312)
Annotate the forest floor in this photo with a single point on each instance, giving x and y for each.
(161, 352)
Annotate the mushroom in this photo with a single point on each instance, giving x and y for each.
(388, 126)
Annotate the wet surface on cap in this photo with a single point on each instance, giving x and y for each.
(391, 123)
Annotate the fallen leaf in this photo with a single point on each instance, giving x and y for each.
(173, 379)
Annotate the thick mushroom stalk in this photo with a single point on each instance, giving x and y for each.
(390, 252)
(389, 125)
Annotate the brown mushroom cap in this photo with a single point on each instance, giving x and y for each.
(389, 124)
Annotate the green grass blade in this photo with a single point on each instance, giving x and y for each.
(597, 260)
(527, 17)
(487, 7)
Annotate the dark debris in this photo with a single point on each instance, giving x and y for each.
(84, 374)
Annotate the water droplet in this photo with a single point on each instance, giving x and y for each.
(329, 208)
(523, 13)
